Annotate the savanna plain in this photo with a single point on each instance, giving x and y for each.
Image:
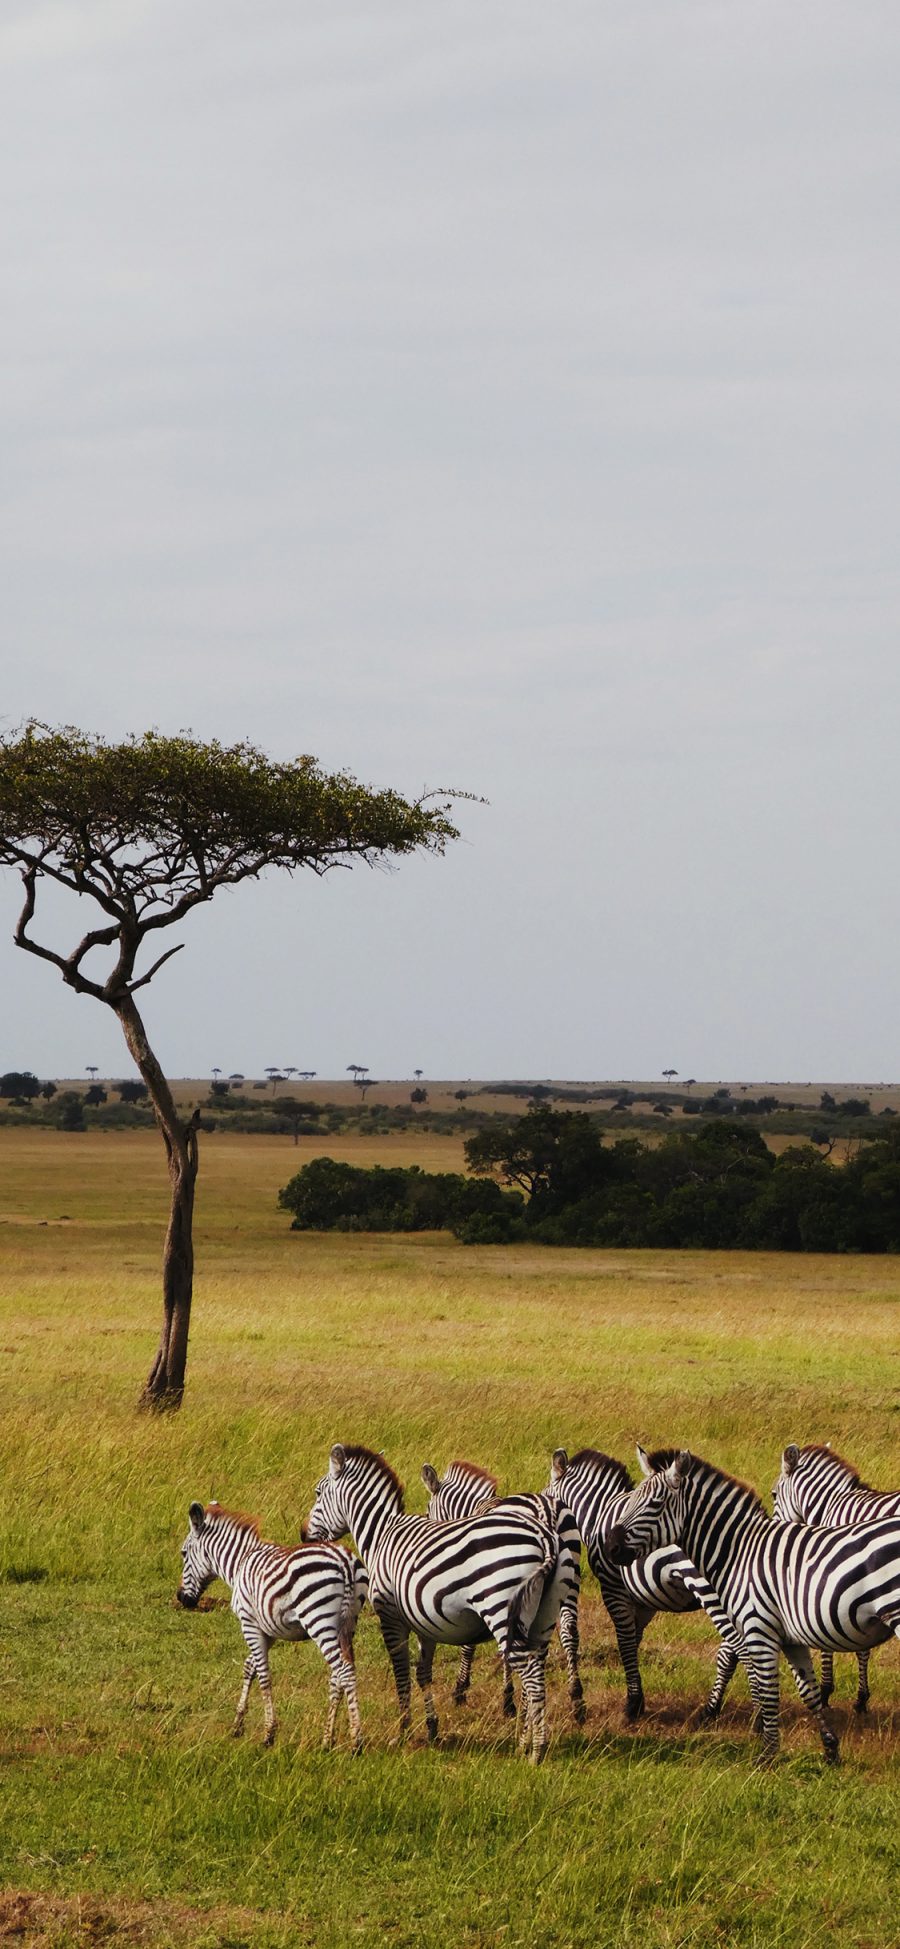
(128, 1814)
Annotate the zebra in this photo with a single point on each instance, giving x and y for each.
(785, 1586)
(315, 1592)
(595, 1487)
(816, 1486)
(466, 1490)
(502, 1574)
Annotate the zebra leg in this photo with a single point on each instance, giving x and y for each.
(509, 1691)
(800, 1660)
(762, 1672)
(533, 1721)
(726, 1666)
(826, 1682)
(568, 1636)
(334, 1696)
(424, 1669)
(396, 1643)
(241, 1713)
(464, 1675)
(861, 1701)
(347, 1678)
(261, 1654)
(622, 1613)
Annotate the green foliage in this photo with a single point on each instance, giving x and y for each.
(330, 1196)
(717, 1188)
(20, 1084)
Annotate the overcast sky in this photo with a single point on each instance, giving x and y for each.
(490, 395)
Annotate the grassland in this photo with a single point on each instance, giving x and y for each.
(126, 1813)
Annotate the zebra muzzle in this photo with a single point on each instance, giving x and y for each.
(618, 1548)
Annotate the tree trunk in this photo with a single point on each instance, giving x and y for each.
(164, 1387)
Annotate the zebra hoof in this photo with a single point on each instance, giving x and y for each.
(237, 1730)
(270, 1738)
(832, 1752)
(509, 1706)
(579, 1712)
(861, 1705)
(460, 1698)
(634, 1708)
(431, 1727)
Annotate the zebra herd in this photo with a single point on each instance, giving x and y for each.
(823, 1572)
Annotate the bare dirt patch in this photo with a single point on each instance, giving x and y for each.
(36, 1921)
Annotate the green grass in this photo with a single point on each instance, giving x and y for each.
(119, 1786)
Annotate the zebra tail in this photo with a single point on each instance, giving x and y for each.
(525, 1602)
(355, 1594)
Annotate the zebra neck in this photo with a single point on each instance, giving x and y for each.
(722, 1518)
(372, 1510)
(227, 1544)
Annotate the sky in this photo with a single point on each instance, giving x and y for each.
(489, 396)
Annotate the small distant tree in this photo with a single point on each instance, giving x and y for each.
(418, 1073)
(48, 1091)
(462, 1096)
(91, 1069)
(669, 1074)
(215, 1072)
(131, 1091)
(275, 1076)
(148, 830)
(306, 1075)
(236, 1076)
(418, 1095)
(95, 1096)
(20, 1084)
(357, 1069)
(71, 1111)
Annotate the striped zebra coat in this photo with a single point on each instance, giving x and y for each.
(786, 1587)
(314, 1592)
(466, 1490)
(817, 1487)
(502, 1574)
(596, 1488)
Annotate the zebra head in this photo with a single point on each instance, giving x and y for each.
(197, 1569)
(654, 1512)
(328, 1519)
(466, 1490)
(788, 1500)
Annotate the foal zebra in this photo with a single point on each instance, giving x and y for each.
(785, 1587)
(819, 1488)
(501, 1574)
(465, 1491)
(596, 1488)
(314, 1592)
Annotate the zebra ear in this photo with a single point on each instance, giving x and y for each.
(337, 1460)
(430, 1478)
(559, 1462)
(645, 1462)
(678, 1468)
(196, 1514)
(790, 1458)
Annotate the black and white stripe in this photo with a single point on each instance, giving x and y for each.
(466, 1490)
(501, 1574)
(784, 1586)
(314, 1592)
(816, 1486)
(597, 1488)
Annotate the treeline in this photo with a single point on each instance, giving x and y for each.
(547, 1177)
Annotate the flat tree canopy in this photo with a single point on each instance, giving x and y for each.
(148, 829)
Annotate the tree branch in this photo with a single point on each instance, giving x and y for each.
(133, 986)
(68, 967)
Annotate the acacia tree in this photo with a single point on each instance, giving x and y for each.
(148, 830)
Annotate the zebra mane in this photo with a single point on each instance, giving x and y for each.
(215, 1513)
(474, 1473)
(355, 1452)
(853, 1478)
(596, 1455)
(699, 1467)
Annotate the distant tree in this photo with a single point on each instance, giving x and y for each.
(215, 1071)
(363, 1083)
(357, 1069)
(662, 1109)
(462, 1096)
(669, 1073)
(48, 1091)
(95, 1096)
(275, 1076)
(149, 829)
(417, 1073)
(827, 1101)
(90, 1069)
(418, 1095)
(306, 1075)
(218, 1088)
(132, 1091)
(20, 1084)
(236, 1076)
(71, 1111)
(689, 1082)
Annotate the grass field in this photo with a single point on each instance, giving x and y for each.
(127, 1814)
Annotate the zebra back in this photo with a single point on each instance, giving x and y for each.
(465, 1490)
(816, 1486)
